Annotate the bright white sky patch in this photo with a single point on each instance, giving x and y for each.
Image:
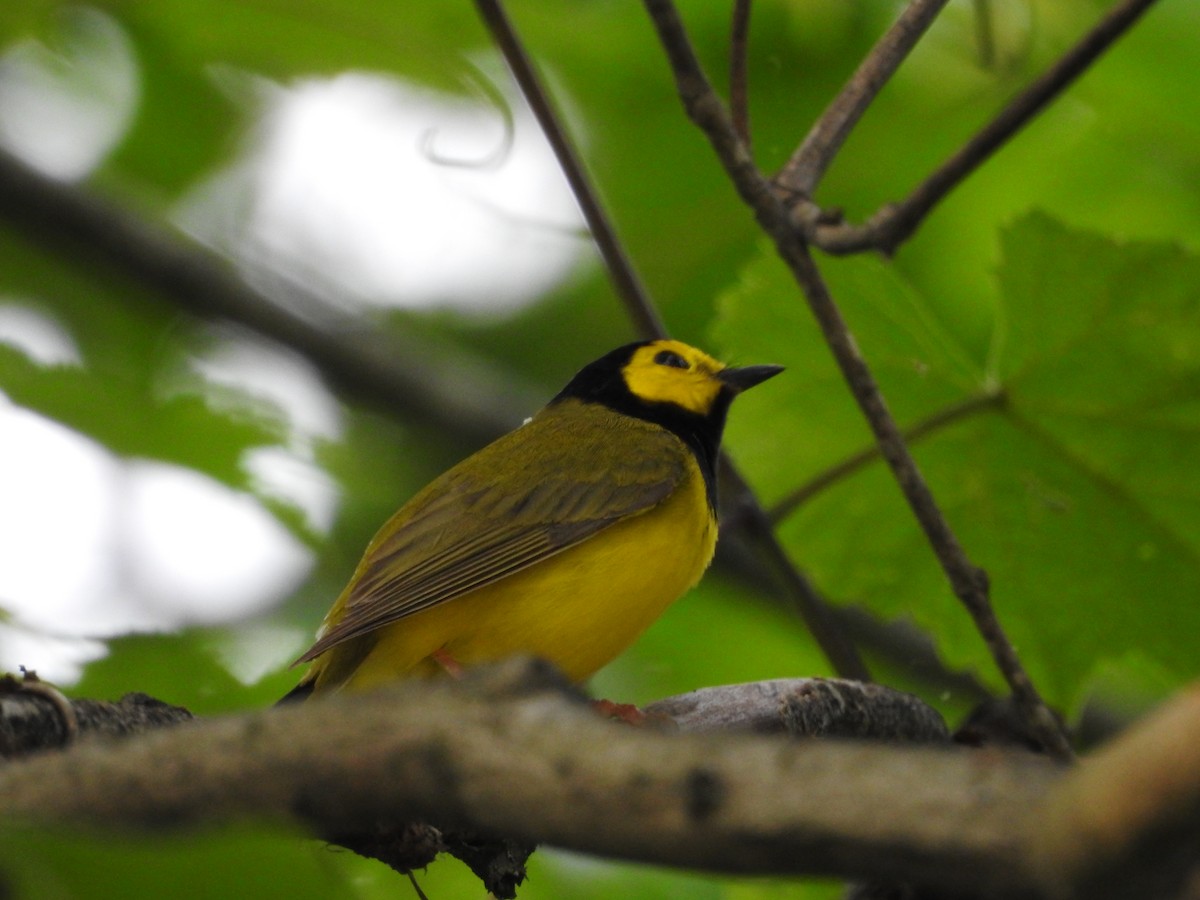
(62, 109)
(259, 369)
(37, 335)
(91, 546)
(56, 543)
(397, 195)
(202, 552)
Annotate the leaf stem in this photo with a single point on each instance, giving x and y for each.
(856, 461)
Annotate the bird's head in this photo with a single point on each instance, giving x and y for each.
(652, 379)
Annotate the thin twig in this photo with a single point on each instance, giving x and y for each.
(856, 461)
(817, 615)
(628, 286)
(739, 94)
(803, 171)
(968, 581)
(421, 895)
(895, 223)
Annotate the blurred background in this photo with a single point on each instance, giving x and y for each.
(182, 497)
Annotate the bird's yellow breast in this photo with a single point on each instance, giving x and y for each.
(578, 609)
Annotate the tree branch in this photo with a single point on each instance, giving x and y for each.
(892, 225)
(805, 707)
(801, 174)
(739, 92)
(1126, 823)
(968, 581)
(31, 721)
(507, 753)
(529, 763)
(620, 269)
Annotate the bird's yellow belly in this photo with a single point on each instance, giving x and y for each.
(578, 609)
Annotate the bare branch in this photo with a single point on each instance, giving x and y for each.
(1126, 823)
(801, 174)
(739, 94)
(812, 608)
(536, 766)
(506, 752)
(30, 722)
(968, 581)
(624, 278)
(806, 707)
(895, 223)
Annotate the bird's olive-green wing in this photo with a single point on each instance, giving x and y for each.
(556, 481)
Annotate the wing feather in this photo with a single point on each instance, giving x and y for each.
(551, 484)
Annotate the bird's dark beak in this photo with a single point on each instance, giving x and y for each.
(746, 377)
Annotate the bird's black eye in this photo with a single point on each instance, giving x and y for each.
(668, 358)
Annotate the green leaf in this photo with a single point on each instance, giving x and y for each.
(240, 861)
(181, 669)
(1077, 495)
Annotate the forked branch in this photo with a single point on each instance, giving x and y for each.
(894, 223)
(804, 170)
(967, 580)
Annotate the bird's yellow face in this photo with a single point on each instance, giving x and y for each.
(673, 372)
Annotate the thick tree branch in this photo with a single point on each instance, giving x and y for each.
(32, 719)
(541, 768)
(35, 717)
(31, 722)
(508, 754)
(620, 269)
(968, 581)
(892, 225)
(805, 707)
(1126, 823)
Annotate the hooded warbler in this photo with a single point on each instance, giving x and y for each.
(563, 539)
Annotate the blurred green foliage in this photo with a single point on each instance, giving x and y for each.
(1063, 273)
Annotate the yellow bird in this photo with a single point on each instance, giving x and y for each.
(563, 539)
